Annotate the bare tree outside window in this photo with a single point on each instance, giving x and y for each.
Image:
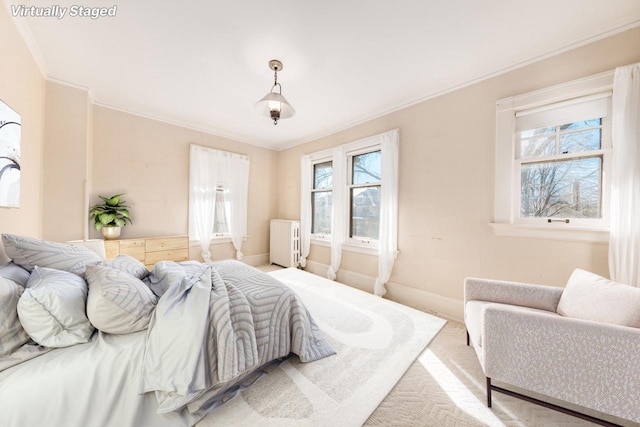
(560, 175)
(365, 195)
(322, 198)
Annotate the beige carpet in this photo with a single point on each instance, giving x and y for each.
(375, 341)
(445, 387)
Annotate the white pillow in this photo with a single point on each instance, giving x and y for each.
(118, 303)
(28, 252)
(12, 335)
(52, 308)
(591, 297)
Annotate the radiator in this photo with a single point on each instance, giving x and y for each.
(285, 243)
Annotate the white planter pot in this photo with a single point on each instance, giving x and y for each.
(111, 233)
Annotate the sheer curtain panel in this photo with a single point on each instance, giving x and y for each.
(305, 209)
(238, 184)
(339, 218)
(624, 244)
(202, 197)
(209, 170)
(388, 210)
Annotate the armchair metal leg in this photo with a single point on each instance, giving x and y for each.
(467, 338)
(567, 411)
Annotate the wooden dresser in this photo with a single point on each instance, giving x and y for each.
(150, 250)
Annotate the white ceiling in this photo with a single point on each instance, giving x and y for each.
(203, 63)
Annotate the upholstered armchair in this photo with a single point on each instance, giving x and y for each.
(579, 344)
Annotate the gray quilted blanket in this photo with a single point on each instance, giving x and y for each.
(214, 324)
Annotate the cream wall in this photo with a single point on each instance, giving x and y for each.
(446, 176)
(67, 161)
(22, 87)
(447, 189)
(149, 161)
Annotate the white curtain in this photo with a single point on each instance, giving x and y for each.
(237, 182)
(339, 208)
(209, 169)
(624, 243)
(305, 208)
(202, 197)
(388, 210)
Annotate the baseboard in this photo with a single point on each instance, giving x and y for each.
(256, 260)
(450, 308)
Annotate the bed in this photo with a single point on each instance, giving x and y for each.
(84, 342)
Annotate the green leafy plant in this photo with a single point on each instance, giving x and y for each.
(112, 213)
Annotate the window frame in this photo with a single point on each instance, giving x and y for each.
(226, 235)
(349, 239)
(314, 162)
(361, 146)
(507, 221)
(604, 153)
(216, 238)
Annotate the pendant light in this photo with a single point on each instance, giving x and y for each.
(274, 105)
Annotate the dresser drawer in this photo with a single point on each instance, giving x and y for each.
(170, 255)
(166, 243)
(150, 250)
(134, 248)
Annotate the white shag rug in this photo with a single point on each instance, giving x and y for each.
(376, 340)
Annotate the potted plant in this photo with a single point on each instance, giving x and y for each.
(110, 216)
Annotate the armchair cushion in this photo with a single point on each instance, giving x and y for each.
(591, 297)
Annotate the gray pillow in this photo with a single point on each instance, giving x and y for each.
(118, 303)
(14, 272)
(591, 297)
(129, 264)
(52, 308)
(28, 252)
(12, 335)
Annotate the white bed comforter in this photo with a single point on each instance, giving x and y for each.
(214, 326)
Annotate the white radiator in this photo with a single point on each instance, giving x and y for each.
(285, 243)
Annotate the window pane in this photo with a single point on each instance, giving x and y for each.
(323, 175)
(581, 125)
(585, 140)
(365, 212)
(366, 168)
(537, 132)
(567, 189)
(220, 214)
(538, 147)
(321, 204)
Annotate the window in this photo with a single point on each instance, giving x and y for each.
(360, 193)
(362, 185)
(322, 198)
(553, 150)
(218, 188)
(221, 207)
(220, 226)
(561, 171)
(364, 196)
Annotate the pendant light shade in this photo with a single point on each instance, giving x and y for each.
(274, 104)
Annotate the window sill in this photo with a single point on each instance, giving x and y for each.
(552, 232)
(215, 241)
(350, 247)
